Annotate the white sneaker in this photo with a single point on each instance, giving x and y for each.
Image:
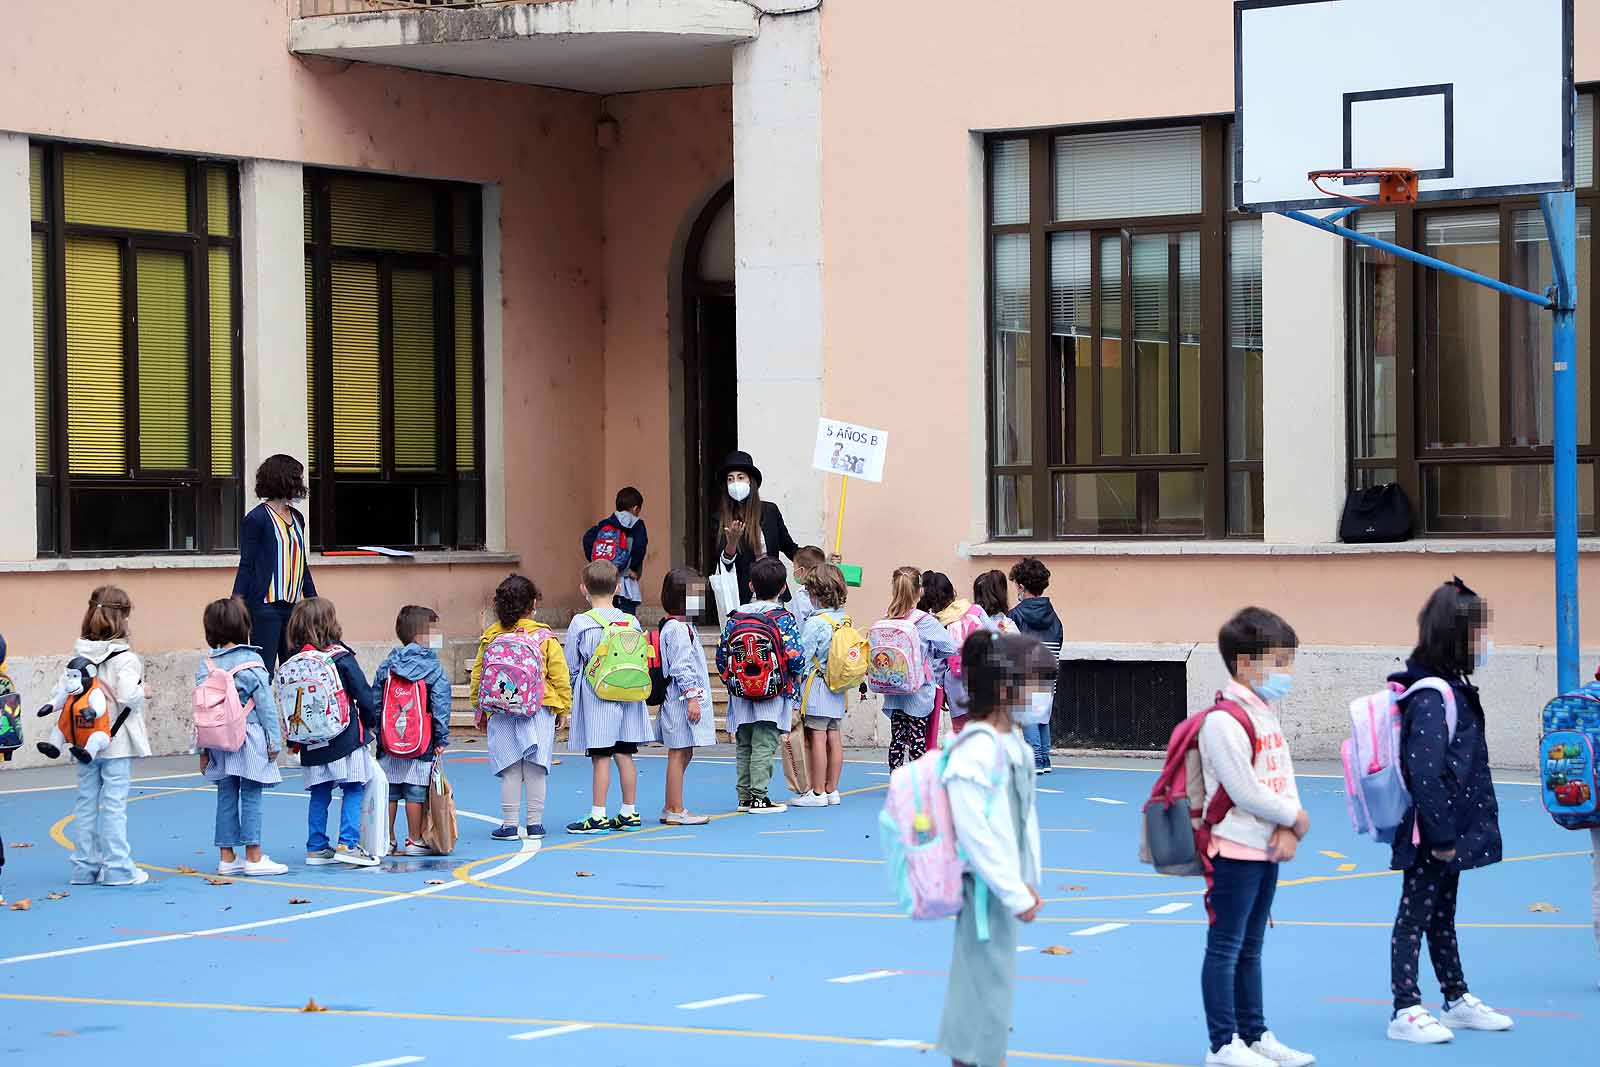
(140, 877)
(1269, 1046)
(833, 799)
(1415, 1025)
(809, 800)
(1235, 1054)
(355, 856)
(412, 848)
(264, 867)
(1470, 1013)
(225, 868)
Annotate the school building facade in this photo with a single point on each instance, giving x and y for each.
(480, 264)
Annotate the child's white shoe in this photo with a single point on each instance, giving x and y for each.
(1269, 1046)
(1470, 1013)
(229, 867)
(265, 867)
(140, 877)
(808, 800)
(833, 799)
(1235, 1054)
(1415, 1025)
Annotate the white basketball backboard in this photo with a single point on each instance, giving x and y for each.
(1474, 95)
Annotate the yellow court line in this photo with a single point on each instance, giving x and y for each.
(503, 1020)
(1332, 855)
(1345, 868)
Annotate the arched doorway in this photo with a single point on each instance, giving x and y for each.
(710, 368)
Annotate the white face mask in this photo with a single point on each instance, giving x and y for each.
(694, 605)
(626, 519)
(740, 491)
(436, 642)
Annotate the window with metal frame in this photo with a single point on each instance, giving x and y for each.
(136, 351)
(394, 361)
(1450, 383)
(1124, 353)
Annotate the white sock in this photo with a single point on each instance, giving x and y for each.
(597, 813)
(629, 809)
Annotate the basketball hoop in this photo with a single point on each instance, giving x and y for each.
(1396, 185)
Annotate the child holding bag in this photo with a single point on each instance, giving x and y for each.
(408, 747)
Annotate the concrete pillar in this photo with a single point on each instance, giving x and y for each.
(1305, 449)
(777, 163)
(19, 531)
(494, 418)
(276, 392)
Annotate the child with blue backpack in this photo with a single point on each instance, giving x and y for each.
(242, 774)
(621, 540)
(988, 777)
(1453, 823)
(412, 734)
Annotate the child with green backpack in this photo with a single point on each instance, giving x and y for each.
(609, 660)
(835, 658)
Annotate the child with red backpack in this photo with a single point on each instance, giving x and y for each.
(621, 540)
(330, 714)
(520, 687)
(608, 660)
(415, 725)
(908, 661)
(760, 661)
(238, 748)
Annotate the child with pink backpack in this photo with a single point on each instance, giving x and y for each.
(415, 723)
(238, 735)
(907, 662)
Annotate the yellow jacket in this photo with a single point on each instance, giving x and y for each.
(557, 679)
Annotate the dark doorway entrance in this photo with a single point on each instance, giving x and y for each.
(711, 370)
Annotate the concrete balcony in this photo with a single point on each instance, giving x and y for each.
(591, 46)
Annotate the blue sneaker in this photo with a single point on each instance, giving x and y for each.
(590, 825)
(536, 830)
(504, 833)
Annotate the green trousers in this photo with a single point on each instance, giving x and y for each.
(755, 745)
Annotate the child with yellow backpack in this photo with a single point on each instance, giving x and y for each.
(835, 663)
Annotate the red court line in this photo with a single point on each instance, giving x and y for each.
(469, 759)
(575, 955)
(1506, 1011)
(216, 937)
(1020, 977)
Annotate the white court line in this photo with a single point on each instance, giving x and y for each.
(1168, 909)
(717, 1002)
(899, 1042)
(877, 774)
(1025, 948)
(865, 976)
(554, 1031)
(530, 849)
(396, 1062)
(1095, 931)
(1104, 800)
(1042, 789)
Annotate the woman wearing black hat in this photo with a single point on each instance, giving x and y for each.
(748, 528)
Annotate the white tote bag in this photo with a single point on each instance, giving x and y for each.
(724, 582)
(375, 811)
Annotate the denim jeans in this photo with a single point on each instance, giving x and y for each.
(1230, 982)
(349, 815)
(100, 823)
(238, 812)
(1038, 737)
(269, 624)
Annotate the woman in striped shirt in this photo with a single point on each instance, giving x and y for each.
(273, 572)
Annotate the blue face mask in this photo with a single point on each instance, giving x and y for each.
(1275, 687)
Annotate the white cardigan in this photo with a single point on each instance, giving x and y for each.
(981, 811)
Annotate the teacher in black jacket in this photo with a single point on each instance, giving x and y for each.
(747, 527)
(274, 572)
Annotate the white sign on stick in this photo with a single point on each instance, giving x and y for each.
(851, 450)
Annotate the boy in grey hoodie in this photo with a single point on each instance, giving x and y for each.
(416, 660)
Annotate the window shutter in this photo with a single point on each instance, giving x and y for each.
(221, 413)
(1244, 284)
(163, 360)
(1129, 174)
(1069, 284)
(129, 192)
(396, 216)
(41, 360)
(1151, 303)
(219, 204)
(356, 422)
(415, 369)
(1008, 178)
(461, 221)
(36, 183)
(1012, 300)
(1189, 287)
(1583, 143)
(95, 396)
(311, 361)
(465, 366)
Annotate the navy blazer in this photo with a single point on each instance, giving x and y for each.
(258, 557)
(775, 535)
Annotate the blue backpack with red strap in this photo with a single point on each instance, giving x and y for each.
(1567, 749)
(610, 545)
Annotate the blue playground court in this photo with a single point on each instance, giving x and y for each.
(756, 939)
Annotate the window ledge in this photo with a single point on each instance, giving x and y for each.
(1437, 546)
(187, 563)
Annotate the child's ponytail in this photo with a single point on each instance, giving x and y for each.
(904, 588)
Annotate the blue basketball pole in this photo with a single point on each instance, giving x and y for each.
(1561, 224)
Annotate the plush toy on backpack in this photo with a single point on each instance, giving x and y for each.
(83, 707)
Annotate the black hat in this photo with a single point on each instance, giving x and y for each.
(740, 461)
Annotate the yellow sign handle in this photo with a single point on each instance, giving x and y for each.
(838, 529)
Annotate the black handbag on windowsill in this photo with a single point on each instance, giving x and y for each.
(1376, 515)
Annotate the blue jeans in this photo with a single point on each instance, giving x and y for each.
(1240, 902)
(269, 624)
(349, 815)
(100, 823)
(238, 812)
(1039, 738)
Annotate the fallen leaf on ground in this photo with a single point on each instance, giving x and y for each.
(1056, 950)
(21, 905)
(22, 844)
(63, 1033)
(1073, 888)
(298, 900)
(312, 1005)
(1543, 906)
(187, 870)
(433, 881)
(219, 881)
(585, 874)
(56, 894)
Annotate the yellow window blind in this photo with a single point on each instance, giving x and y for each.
(94, 358)
(221, 414)
(466, 440)
(311, 363)
(163, 302)
(36, 183)
(132, 192)
(356, 423)
(41, 360)
(415, 391)
(219, 204)
(374, 213)
(305, 206)
(461, 221)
